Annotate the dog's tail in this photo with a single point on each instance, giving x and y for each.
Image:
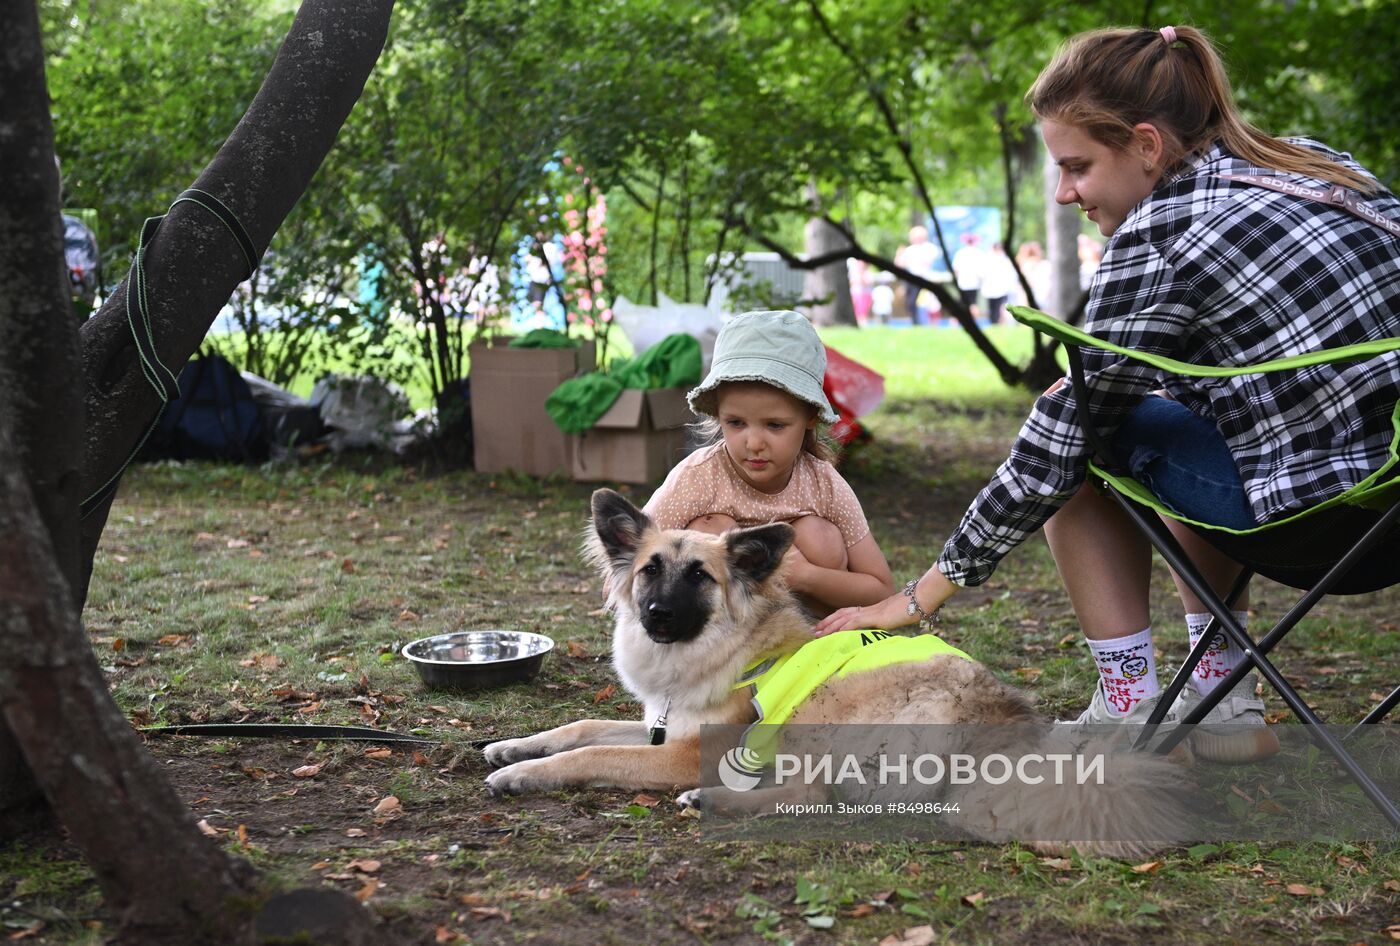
(1084, 792)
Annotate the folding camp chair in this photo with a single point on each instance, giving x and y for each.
(1347, 545)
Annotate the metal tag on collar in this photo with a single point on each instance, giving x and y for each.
(656, 735)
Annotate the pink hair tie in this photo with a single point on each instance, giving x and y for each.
(1168, 34)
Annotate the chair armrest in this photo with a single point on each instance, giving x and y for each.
(1077, 338)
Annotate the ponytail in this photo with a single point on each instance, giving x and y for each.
(1107, 81)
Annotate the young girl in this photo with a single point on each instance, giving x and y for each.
(761, 405)
(1205, 267)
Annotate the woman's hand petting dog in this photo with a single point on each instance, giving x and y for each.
(932, 591)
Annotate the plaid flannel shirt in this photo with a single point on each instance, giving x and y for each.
(1217, 272)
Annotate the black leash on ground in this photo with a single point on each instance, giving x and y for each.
(160, 377)
(287, 731)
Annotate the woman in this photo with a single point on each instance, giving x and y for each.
(1206, 269)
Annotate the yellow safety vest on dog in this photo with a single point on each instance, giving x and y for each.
(781, 684)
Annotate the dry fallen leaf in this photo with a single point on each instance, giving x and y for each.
(170, 640)
(368, 890)
(347, 566)
(646, 801)
(489, 913)
(914, 936)
(243, 835)
(860, 910)
(379, 753)
(364, 865)
(604, 693)
(207, 829)
(1151, 867)
(355, 832)
(973, 899)
(1303, 890)
(306, 771)
(387, 804)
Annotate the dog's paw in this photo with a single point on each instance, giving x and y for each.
(509, 751)
(519, 779)
(698, 798)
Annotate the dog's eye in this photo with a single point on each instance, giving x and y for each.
(650, 568)
(698, 575)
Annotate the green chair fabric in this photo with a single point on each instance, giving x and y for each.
(1378, 491)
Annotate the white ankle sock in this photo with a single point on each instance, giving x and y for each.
(1127, 670)
(1221, 658)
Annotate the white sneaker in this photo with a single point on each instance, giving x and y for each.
(1098, 713)
(1234, 730)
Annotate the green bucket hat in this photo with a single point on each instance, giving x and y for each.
(778, 348)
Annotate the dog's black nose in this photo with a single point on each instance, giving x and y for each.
(657, 611)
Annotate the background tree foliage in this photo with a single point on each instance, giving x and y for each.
(713, 127)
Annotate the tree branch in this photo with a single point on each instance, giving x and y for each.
(1010, 374)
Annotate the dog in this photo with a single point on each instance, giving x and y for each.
(694, 612)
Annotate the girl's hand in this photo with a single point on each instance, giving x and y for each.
(884, 615)
(794, 569)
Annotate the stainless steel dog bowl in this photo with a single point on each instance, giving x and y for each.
(470, 660)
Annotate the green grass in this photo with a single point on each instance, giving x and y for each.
(284, 592)
(936, 363)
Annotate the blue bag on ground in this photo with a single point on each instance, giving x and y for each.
(214, 418)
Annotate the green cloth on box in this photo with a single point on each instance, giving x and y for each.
(673, 362)
(544, 338)
(577, 403)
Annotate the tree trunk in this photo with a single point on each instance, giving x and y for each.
(1061, 248)
(38, 335)
(828, 288)
(167, 882)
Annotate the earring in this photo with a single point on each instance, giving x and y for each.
(1148, 166)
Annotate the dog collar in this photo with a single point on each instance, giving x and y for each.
(656, 735)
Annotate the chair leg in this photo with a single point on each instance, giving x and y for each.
(1166, 544)
(1381, 710)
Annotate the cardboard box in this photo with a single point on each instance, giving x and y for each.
(510, 429)
(637, 441)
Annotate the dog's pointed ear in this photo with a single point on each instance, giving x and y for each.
(618, 524)
(757, 552)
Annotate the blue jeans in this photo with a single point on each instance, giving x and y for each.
(1184, 461)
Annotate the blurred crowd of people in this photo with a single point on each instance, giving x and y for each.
(985, 279)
